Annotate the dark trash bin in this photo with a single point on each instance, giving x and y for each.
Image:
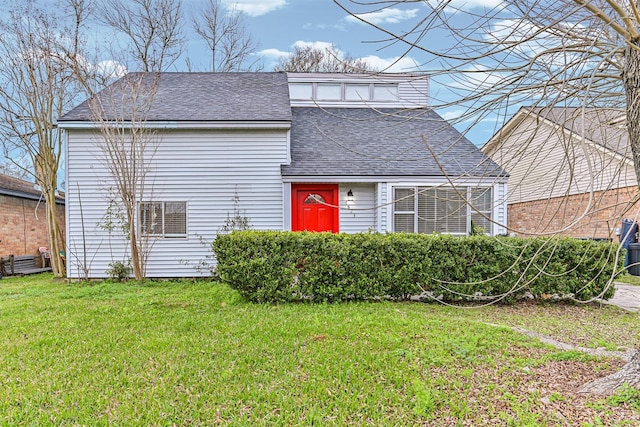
(628, 235)
(634, 259)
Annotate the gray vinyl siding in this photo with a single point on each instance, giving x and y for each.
(384, 207)
(499, 209)
(205, 169)
(361, 217)
(414, 92)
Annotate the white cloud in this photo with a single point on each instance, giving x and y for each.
(477, 77)
(525, 40)
(474, 4)
(465, 5)
(273, 53)
(385, 16)
(328, 27)
(111, 69)
(391, 65)
(318, 45)
(388, 65)
(255, 7)
(452, 115)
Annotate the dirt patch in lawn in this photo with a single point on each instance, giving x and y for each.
(547, 392)
(593, 325)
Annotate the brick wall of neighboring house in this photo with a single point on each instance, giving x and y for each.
(23, 225)
(605, 215)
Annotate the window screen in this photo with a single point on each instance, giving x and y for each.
(165, 219)
(441, 209)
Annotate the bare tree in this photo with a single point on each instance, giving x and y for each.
(153, 29)
(128, 146)
(309, 59)
(227, 37)
(578, 53)
(38, 81)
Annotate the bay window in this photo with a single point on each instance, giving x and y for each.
(426, 210)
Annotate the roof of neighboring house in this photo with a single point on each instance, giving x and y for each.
(385, 142)
(15, 187)
(605, 127)
(194, 97)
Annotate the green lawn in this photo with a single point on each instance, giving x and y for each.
(194, 354)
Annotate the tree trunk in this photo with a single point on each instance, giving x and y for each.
(629, 374)
(631, 81)
(136, 261)
(46, 171)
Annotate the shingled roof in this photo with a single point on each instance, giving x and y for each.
(603, 126)
(387, 142)
(15, 187)
(197, 97)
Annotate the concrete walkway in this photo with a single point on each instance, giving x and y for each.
(626, 297)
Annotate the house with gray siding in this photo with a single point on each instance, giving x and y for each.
(290, 151)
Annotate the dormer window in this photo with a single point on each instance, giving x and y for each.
(328, 92)
(357, 92)
(301, 91)
(344, 92)
(385, 92)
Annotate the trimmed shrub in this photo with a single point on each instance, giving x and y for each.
(274, 266)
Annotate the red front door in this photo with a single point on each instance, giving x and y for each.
(314, 207)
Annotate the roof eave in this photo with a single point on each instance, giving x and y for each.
(219, 124)
(29, 196)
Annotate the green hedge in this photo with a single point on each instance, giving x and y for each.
(284, 266)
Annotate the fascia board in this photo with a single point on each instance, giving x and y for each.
(285, 125)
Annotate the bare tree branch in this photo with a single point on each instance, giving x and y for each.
(39, 81)
(227, 37)
(309, 59)
(580, 55)
(153, 29)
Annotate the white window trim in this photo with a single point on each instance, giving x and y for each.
(343, 89)
(164, 235)
(468, 187)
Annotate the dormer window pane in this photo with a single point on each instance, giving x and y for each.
(329, 92)
(384, 92)
(301, 91)
(356, 92)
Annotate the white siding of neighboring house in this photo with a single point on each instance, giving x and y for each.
(207, 169)
(360, 217)
(543, 162)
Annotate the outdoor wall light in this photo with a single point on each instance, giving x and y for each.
(349, 197)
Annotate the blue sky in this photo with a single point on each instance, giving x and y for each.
(279, 25)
